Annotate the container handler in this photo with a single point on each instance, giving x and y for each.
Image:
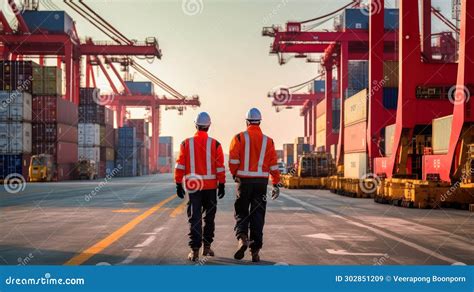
(42, 168)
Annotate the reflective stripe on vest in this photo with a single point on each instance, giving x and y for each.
(263, 150)
(198, 176)
(192, 161)
(208, 156)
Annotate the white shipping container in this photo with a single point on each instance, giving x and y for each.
(355, 108)
(441, 134)
(15, 106)
(15, 138)
(389, 139)
(355, 165)
(89, 153)
(88, 134)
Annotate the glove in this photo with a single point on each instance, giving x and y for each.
(180, 192)
(221, 191)
(275, 192)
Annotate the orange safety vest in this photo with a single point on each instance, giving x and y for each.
(200, 163)
(253, 155)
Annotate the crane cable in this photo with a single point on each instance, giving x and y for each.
(329, 14)
(301, 85)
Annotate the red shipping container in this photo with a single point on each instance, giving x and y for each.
(140, 126)
(102, 169)
(50, 133)
(355, 138)
(109, 117)
(109, 136)
(65, 171)
(63, 152)
(54, 109)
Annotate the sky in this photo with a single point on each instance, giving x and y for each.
(214, 48)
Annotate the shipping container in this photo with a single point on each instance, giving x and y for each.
(62, 152)
(92, 114)
(47, 81)
(140, 87)
(109, 136)
(300, 149)
(355, 108)
(390, 71)
(52, 132)
(355, 137)
(441, 134)
(14, 164)
(89, 135)
(299, 140)
(320, 86)
(321, 108)
(321, 141)
(109, 117)
(15, 138)
(107, 154)
(126, 167)
(52, 22)
(141, 127)
(321, 123)
(110, 168)
(390, 98)
(88, 95)
(65, 171)
(389, 139)
(89, 153)
(15, 106)
(355, 165)
(17, 75)
(358, 76)
(357, 18)
(54, 109)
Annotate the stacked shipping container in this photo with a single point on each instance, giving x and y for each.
(165, 157)
(126, 158)
(288, 154)
(300, 148)
(143, 147)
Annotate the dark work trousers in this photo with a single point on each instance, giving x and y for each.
(250, 207)
(202, 202)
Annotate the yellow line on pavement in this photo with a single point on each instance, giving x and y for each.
(179, 209)
(117, 234)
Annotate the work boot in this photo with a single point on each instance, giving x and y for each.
(194, 255)
(242, 247)
(255, 255)
(207, 251)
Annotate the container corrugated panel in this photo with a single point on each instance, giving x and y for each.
(87, 94)
(89, 153)
(358, 75)
(109, 117)
(89, 134)
(355, 165)
(17, 75)
(321, 108)
(54, 109)
(127, 167)
(109, 136)
(65, 171)
(92, 113)
(391, 18)
(355, 108)
(63, 152)
(166, 140)
(355, 137)
(390, 71)
(107, 154)
(140, 87)
(390, 98)
(48, 21)
(110, 167)
(357, 18)
(320, 86)
(52, 132)
(300, 149)
(299, 140)
(15, 106)
(336, 120)
(321, 123)
(14, 164)
(15, 138)
(389, 139)
(289, 160)
(321, 139)
(441, 134)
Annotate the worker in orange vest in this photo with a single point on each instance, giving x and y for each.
(252, 159)
(200, 165)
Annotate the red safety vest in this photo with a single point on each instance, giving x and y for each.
(200, 163)
(253, 155)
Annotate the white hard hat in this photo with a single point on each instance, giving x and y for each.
(254, 115)
(203, 119)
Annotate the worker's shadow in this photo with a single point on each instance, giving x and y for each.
(222, 261)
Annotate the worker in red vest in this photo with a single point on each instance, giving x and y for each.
(200, 165)
(252, 159)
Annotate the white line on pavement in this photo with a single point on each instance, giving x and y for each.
(147, 241)
(345, 252)
(374, 230)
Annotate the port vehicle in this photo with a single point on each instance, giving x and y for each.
(86, 169)
(42, 168)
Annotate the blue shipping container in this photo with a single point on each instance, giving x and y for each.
(50, 21)
(140, 87)
(390, 97)
(109, 167)
(320, 86)
(357, 18)
(127, 168)
(10, 164)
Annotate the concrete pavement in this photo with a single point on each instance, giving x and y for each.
(139, 221)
